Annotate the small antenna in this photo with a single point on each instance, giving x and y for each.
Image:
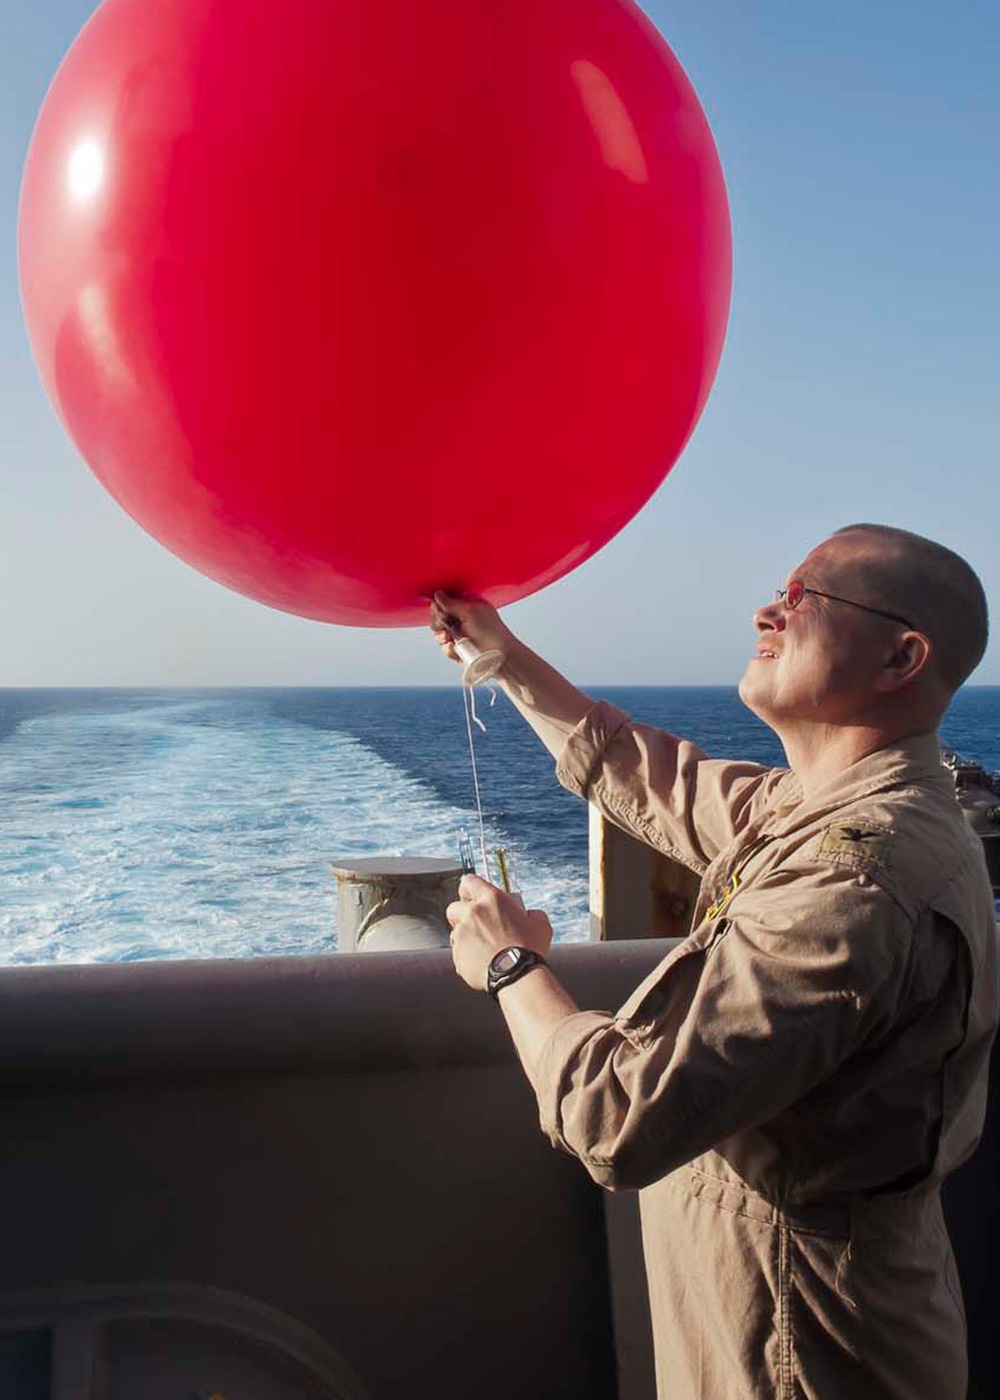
(465, 855)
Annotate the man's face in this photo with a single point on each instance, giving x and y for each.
(817, 663)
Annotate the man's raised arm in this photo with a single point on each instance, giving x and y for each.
(661, 789)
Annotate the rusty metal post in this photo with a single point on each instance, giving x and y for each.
(636, 892)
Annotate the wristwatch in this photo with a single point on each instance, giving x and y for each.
(510, 964)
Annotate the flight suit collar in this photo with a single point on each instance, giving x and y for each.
(913, 760)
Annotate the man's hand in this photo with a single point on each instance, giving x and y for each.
(471, 617)
(484, 920)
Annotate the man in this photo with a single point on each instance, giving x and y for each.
(791, 1084)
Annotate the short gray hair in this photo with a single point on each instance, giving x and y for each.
(931, 585)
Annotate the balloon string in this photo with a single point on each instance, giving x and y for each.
(472, 700)
(469, 706)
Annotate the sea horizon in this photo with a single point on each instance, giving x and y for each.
(157, 822)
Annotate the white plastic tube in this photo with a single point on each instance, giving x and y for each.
(479, 665)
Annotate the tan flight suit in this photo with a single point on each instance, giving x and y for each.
(792, 1082)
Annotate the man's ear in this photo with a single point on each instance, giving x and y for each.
(910, 657)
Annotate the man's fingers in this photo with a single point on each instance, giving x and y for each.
(470, 887)
(444, 629)
(442, 613)
(446, 610)
(455, 611)
(443, 635)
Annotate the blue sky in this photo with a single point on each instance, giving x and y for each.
(859, 380)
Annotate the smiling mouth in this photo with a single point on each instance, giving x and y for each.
(764, 655)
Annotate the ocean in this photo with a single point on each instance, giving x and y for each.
(203, 824)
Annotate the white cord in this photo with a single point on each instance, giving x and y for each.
(469, 707)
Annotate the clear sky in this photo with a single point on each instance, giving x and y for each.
(860, 143)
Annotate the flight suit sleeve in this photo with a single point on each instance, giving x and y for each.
(663, 790)
(736, 1024)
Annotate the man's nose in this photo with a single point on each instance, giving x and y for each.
(770, 617)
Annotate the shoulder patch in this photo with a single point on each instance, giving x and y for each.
(861, 841)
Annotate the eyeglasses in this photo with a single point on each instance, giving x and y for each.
(792, 596)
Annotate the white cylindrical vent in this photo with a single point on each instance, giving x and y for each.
(394, 903)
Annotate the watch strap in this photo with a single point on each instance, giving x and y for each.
(497, 980)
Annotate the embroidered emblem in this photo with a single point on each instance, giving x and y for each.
(865, 843)
(714, 910)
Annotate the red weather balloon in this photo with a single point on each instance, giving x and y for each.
(345, 302)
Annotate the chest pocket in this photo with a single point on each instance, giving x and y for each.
(670, 982)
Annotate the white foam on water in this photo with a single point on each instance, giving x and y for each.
(206, 829)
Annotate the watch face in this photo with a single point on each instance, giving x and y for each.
(503, 962)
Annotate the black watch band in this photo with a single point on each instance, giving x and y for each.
(508, 965)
